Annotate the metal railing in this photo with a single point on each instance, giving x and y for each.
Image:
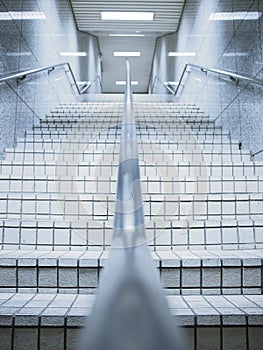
(20, 76)
(88, 84)
(235, 77)
(231, 75)
(131, 311)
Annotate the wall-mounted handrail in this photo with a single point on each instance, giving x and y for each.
(156, 78)
(88, 84)
(23, 74)
(236, 77)
(131, 311)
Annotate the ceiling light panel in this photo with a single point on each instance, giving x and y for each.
(234, 16)
(127, 16)
(73, 54)
(235, 54)
(17, 15)
(127, 35)
(126, 53)
(153, 17)
(123, 82)
(181, 54)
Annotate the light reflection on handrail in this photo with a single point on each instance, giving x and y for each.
(22, 75)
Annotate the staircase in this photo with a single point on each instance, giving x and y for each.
(203, 212)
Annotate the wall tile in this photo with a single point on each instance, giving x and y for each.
(234, 45)
(26, 44)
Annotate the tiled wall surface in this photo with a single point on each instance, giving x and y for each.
(33, 43)
(234, 45)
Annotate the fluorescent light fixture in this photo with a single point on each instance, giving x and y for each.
(17, 15)
(235, 54)
(52, 35)
(122, 82)
(15, 54)
(126, 53)
(127, 16)
(73, 53)
(232, 16)
(137, 35)
(181, 54)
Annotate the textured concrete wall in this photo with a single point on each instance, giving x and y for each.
(234, 45)
(33, 43)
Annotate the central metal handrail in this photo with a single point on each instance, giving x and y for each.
(236, 77)
(129, 228)
(131, 311)
(20, 76)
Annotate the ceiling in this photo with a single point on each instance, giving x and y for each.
(167, 16)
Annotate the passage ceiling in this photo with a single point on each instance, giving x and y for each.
(167, 16)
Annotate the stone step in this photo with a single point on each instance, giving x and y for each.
(119, 107)
(102, 206)
(140, 129)
(86, 121)
(188, 272)
(161, 235)
(185, 151)
(141, 132)
(112, 134)
(101, 139)
(166, 125)
(151, 185)
(146, 99)
(82, 117)
(53, 321)
(139, 110)
(166, 170)
(151, 154)
(139, 126)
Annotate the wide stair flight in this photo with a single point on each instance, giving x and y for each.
(203, 213)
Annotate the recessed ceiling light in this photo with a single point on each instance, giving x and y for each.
(181, 54)
(232, 16)
(123, 82)
(17, 15)
(73, 53)
(137, 35)
(127, 16)
(126, 53)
